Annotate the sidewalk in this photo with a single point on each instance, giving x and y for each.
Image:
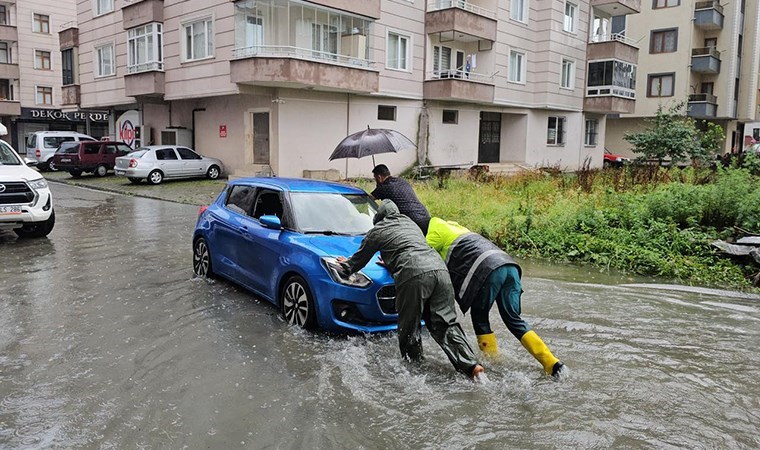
(194, 191)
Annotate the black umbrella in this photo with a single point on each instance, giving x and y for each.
(370, 142)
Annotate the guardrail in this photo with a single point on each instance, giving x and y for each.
(137, 68)
(709, 5)
(285, 51)
(610, 90)
(437, 5)
(456, 74)
(613, 37)
(705, 51)
(703, 98)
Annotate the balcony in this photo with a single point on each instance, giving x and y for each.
(300, 68)
(8, 33)
(70, 95)
(612, 46)
(617, 7)
(705, 60)
(461, 20)
(145, 84)
(142, 12)
(10, 108)
(708, 15)
(9, 71)
(458, 85)
(69, 36)
(702, 106)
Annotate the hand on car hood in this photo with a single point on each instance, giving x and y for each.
(347, 246)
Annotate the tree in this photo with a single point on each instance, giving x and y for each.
(675, 136)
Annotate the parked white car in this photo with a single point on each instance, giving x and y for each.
(156, 162)
(41, 145)
(26, 204)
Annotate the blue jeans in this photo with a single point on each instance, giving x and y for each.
(503, 287)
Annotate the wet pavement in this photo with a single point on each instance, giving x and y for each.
(107, 341)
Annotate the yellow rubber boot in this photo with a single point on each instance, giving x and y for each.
(536, 347)
(488, 344)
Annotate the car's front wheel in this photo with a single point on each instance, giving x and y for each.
(202, 259)
(37, 229)
(297, 303)
(155, 177)
(213, 172)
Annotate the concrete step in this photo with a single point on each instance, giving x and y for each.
(256, 170)
(506, 168)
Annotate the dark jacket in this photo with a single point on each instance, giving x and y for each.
(400, 243)
(470, 259)
(402, 194)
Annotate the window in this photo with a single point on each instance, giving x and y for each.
(91, 149)
(104, 61)
(664, 41)
(6, 90)
(571, 15)
(41, 23)
(103, 7)
(67, 66)
(55, 141)
(657, 4)
(123, 149)
(518, 10)
(611, 77)
(186, 153)
(661, 85)
(240, 199)
(145, 48)
(3, 15)
(267, 204)
(44, 95)
(516, 67)
(199, 39)
(5, 53)
(590, 136)
(397, 57)
(567, 78)
(385, 112)
(42, 60)
(450, 116)
(441, 59)
(163, 154)
(555, 131)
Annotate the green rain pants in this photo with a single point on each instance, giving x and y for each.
(430, 296)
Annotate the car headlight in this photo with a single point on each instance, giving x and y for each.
(38, 184)
(357, 279)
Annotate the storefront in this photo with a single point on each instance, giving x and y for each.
(93, 123)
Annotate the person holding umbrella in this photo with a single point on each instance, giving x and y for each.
(423, 287)
(401, 193)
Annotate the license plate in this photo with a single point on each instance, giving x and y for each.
(120, 172)
(13, 209)
(65, 160)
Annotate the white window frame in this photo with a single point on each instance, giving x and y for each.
(523, 67)
(559, 138)
(96, 61)
(408, 55)
(49, 23)
(570, 23)
(567, 79)
(520, 13)
(8, 53)
(595, 134)
(36, 94)
(97, 11)
(143, 32)
(209, 26)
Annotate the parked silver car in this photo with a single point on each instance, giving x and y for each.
(156, 162)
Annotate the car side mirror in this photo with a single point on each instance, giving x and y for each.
(271, 222)
(30, 162)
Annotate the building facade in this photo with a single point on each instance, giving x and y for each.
(274, 85)
(704, 53)
(31, 69)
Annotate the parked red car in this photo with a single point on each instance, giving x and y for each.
(97, 157)
(613, 160)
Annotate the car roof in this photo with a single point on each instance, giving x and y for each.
(64, 133)
(300, 185)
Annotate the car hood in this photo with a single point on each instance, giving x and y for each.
(347, 246)
(18, 173)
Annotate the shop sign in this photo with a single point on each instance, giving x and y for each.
(128, 128)
(68, 116)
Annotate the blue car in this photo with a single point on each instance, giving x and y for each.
(279, 238)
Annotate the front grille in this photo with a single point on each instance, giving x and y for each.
(386, 297)
(15, 192)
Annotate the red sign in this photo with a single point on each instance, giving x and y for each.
(222, 131)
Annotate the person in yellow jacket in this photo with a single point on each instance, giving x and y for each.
(483, 274)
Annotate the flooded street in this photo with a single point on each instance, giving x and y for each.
(107, 341)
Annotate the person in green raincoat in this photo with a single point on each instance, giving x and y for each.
(483, 274)
(423, 287)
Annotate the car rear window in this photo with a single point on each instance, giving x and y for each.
(138, 154)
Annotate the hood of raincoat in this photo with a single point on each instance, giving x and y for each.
(387, 209)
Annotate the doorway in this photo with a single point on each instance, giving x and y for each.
(489, 141)
(261, 138)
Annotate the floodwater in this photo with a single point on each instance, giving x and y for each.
(106, 341)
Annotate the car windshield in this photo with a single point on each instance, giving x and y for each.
(326, 213)
(8, 157)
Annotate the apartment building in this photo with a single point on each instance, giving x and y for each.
(31, 69)
(705, 53)
(274, 85)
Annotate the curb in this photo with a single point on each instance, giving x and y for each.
(116, 191)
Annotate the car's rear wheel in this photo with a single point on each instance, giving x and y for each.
(51, 166)
(76, 173)
(155, 177)
(297, 303)
(202, 259)
(134, 180)
(37, 229)
(213, 172)
(101, 171)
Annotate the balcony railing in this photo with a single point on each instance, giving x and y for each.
(613, 37)
(285, 51)
(703, 98)
(705, 51)
(437, 5)
(145, 67)
(455, 74)
(709, 5)
(605, 91)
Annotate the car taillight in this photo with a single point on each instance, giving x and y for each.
(202, 209)
(37, 153)
(133, 163)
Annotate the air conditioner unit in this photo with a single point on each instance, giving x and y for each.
(177, 136)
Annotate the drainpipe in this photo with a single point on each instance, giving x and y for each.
(195, 110)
